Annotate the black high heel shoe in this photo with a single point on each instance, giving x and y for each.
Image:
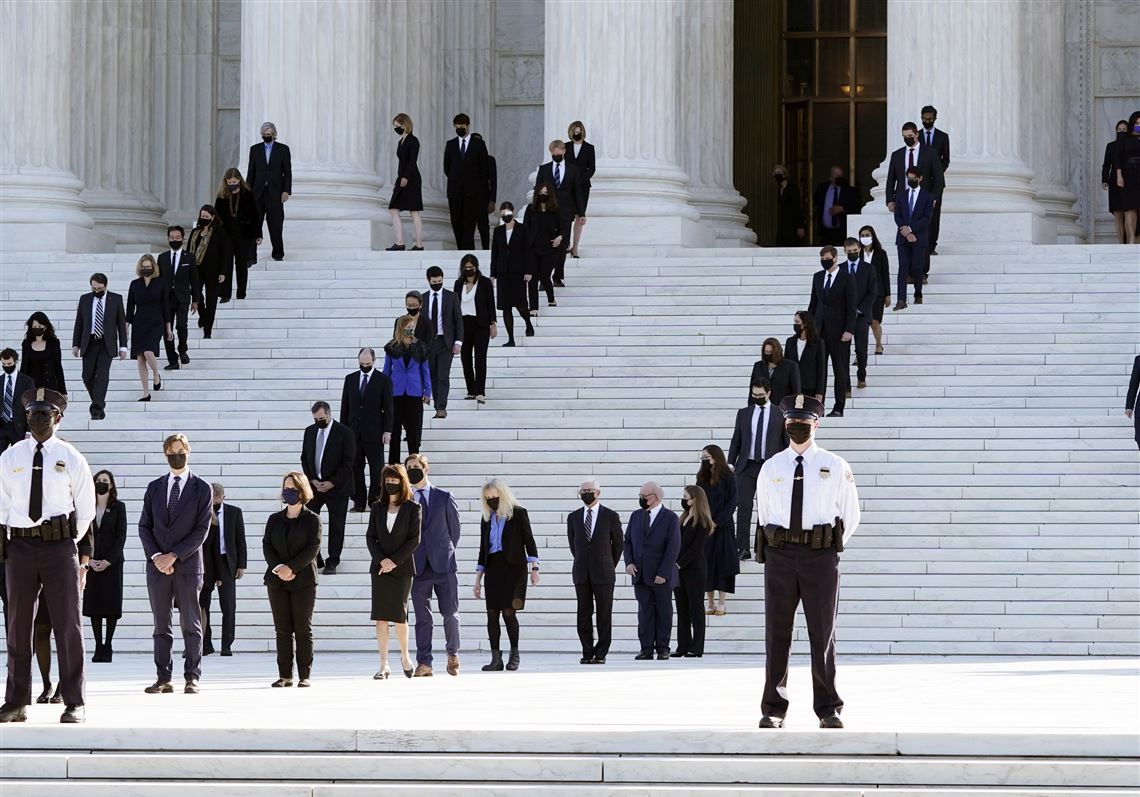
(57, 697)
(158, 385)
(45, 695)
(145, 398)
(408, 671)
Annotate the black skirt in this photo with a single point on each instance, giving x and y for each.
(104, 594)
(504, 584)
(390, 593)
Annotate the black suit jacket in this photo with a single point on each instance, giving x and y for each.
(812, 363)
(918, 221)
(510, 258)
(741, 449)
(114, 323)
(835, 313)
(23, 384)
(293, 544)
(585, 161)
(570, 197)
(492, 179)
(451, 312)
(518, 539)
(789, 215)
(595, 559)
(693, 540)
(881, 265)
(183, 282)
(484, 299)
(928, 164)
(270, 180)
(339, 454)
(941, 145)
(400, 543)
(848, 198)
(233, 527)
(785, 378)
(866, 287)
(468, 175)
(368, 416)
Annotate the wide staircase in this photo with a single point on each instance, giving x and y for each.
(997, 473)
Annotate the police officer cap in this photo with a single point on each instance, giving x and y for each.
(42, 398)
(801, 408)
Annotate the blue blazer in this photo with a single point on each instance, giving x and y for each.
(185, 533)
(439, 533)
(413, 379)
(653, 550)
(919, 222)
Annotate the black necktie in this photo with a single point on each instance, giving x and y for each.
(435, 310)
(36, 502)
(172, 502)
(462, 147)
(827, 284)
(589, 524)
(928, 135)
(363, 384)
(758, 443)
(797, 519)
(557, 176)
(9, 380)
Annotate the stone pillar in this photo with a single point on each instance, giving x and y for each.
(40, 206)
(308, 66)
(707, 102)
(971, 71)
(615, 66)
(113, 116)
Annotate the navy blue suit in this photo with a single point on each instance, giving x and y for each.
(436, 570)
(912, 256)
(653, 551)
(181, 533)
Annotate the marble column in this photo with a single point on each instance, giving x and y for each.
(971, 71)
(308, 66)
(113, 112)
(707, 102)
(616, 67)
(40, 205)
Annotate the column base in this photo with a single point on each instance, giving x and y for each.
(436, 229)
(973, 227)
(52, 237)
(720, 209)
(1060, 208)
(128, 220)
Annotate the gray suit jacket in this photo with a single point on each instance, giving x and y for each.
(452, 315)
(114, 323)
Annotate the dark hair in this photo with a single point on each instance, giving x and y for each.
(113, 493)
(509, 206)
(761, 381)
(414, 295)
(468, 258)
(808, 321)
(551, 196)
(39, 317)
(9, 354)
(209, 209)
(850, 241)
(395, 472)
(777, 350)
(910, 126)
(99, 277)
(876, 247)
(321, 405)
(461, 119)
(369, 349)
(1132, 120)
(930, 109)
(719, 466)
(914, 170)
(174, 227)
(434, 271)
(829, 249)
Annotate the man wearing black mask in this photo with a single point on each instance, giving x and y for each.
(178, 268)
(914, 154)
(596, 544)
(789, 213)
(833, 308)
(833, 201)
(13, 421)
(328, 460)
(759, 434)
(100, 333)
(567, 184)
(914, 208)
(270, 178)
(468, 179)
(939, 141)
(866, 292)
(446, 318)
(366, 409)
(225, 558)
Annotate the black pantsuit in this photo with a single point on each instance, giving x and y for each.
(268, 178)
(295, 542)
(689, 594)
(180, 316)
(473, 354)
(371, 452)
(97, 374)
(227, 603)
(338, 512)
(542, 228)
(241, 222)
(596, 556)
(293, 620)
(408, 415)
(745, 501)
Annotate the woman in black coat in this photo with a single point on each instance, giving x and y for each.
(696, 528)
(393, 535)
(237, 211)
(40, 355)
(291, 544)
(784, 374)
(210, 248)
(476, 294)
(874, 254)
(1108, 180)
(805, 348)
(545, 236)
(580, 152)
(103, 596)
(511, 269)
(407, 188)
(506, 550)
(721, 551)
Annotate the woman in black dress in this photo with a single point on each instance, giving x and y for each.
(544, 232)
(42, 359)
(1108, 180)
(148, 314)
(393, 536)
(1127, 170)
(407, 188)
(581, 153)
(721, 552)
(476, 295)
(291, 543)
(874, 254)
(806, 350)
(696, 528)
(511, 269)
(783, 373)
(103, 597)
(237, 211)
(209, 247)
(506, 550)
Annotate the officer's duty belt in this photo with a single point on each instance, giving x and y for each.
(53, 530)
(825, 535)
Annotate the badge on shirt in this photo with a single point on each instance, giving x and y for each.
(60, 466)
(825, 473)
(850, 476)
(777, 480)
(17, 470)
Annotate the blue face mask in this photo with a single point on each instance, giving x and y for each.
(291, 496)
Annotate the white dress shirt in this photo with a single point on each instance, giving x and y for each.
(467, 298)
(182, 475)
(67, 484)
(593, 515)
(464, 143)
(509, 232)
(653, 514)
(829, 490)
(794, 350)
(436, 298)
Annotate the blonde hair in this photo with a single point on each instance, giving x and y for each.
(698, 510)
(175, 438)
(507, 500)
(570, 129)
(401, 322)
(223, 189)
(556, 144)
(148, 257)
(404, 121)
(302, 483)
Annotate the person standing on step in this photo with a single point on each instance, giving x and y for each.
(1130, 408)
(42, 359)
(406, 364)
(237, 212)
(365, 408)
(173, 528)
(652, 543)
(446, 318)
(103, 596)
(697, 527)
(876, 257)
(466, 169)
(758, 435)
(480, 325)
(180, 272)
(596, 544)
(545, 235)
(47, 504)
(148, 315)
(209, 247)
(789, 213)
(834, 201)
(99, 335)
(808, 508)
(436, 567)
(482, 220)
(567, 182)
(580, 154)
(225, 562)
(270, 175)
(939, 141)
(13, 420)
(506, 550)
(805, 349)
(833, 309)
(328, 458)
(511, 270)
(914, 207)
(783, 374)
(407, 188)
(393, 535)
(866, 294)
(721, 552)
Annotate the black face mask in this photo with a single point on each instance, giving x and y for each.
(577, 135)
(100, 293)
(392, 489)
(413, 310)
(217, 507)
(912, 183)
(468, 272)
(147, 272)
(826, 262)
(322, 423)
(799, 431)
(557, 158)
(779, 178)
(643, 502)
(176, 461)
(588, 497)
(9, 369)
(41, 331)
(928, 125)
(415, 475)
(685, 504)
(797, 328)
(436, 286)
(204, 222)
(543, 197)
(366, 368)
(909, 141)
(41, 424)
(852, 257)
(461, 132)
(176, 245)
(759, 401)
(506, 217)
(291, 496)
(399, 130)
(267, 139)
(493, 503)
(1120, 134)
(234, 188)
(102, 488)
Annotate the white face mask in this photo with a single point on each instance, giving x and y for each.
(866, 240)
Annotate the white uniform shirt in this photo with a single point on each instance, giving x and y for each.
(66, 478)
(829, 490)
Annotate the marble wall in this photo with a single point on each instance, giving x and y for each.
(517, 69)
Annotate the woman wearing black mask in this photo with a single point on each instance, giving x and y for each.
(291, 543)
(148, 313)
(1126, 167)
(42, 360)
(721, 552)
(477, 302)
(209, 246)
(545, 236)
(512, 267)
(784, 374)
(696, 527)
(806, 350)
(393, 536)
(506, 550)
(103, 596)
(407, 193)
(237, 212)
(1108, 180)
(874, 254)
(580, 152)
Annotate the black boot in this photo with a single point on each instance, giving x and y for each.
(513, 661)
(496, 662)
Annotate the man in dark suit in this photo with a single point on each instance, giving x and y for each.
(568, 188)
(789, 212)
(913, 155)
(436, 567)
(328, 456)
(483, 221)
(596, 543)
(833, 308)
(759, 433)
(446, 319)
(939, 141)
(914, 209)
(180, 272)
(1130, 398)
(652, 542)
(173, 527)
(366, 409)
(866, 292)
(270, 177)
(225, 561)
(13, 419)
(100, 333)
(467, 172)
(832, 202)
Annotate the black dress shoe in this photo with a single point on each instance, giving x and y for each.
(359, 508)
(73, 714)
(10, 712)
(56, 697)
(598, 660)
(644, 655)
(191, 687)
(208, 650)
(304, 683)
(918, 300)
(159, 688)
(663, 656)
(692, 655)
(281, 683)
(330, 570)
(530, 332)
(678, 653)
(184, 358)
(509, 343)
(241, 295)
(45, 695)
(227, 652)
(835, 414)
(559, 284)
(171, 367)
(831, 722)
(771, 722)
(745, 556)
(395, 248)
(586, 660)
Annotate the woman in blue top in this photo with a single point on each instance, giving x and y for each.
(406, 364)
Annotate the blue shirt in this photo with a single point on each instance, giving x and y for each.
(268, 151)
(496, 540)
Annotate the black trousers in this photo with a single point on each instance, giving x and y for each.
(372, 452)
(293, 622)
(439, 366)
(745, 501)
(546, 266)
(689, 595)
(338, 514)
(9, 436)
(483, 222)
(595, 599)
(181, 331)
(97, 373)
(840, 355)
(862, 333)
(242, 253)
(465, 210)
(227, 602)
(792, 574)
(272, 211)
(476, 339)
(209, 310)
(935, 224)
(567, 218)
(654, 616)
(184, 587)
(408, 419)
(913, 260)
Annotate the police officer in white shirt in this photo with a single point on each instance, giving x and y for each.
(47, 501)
(808, 508)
